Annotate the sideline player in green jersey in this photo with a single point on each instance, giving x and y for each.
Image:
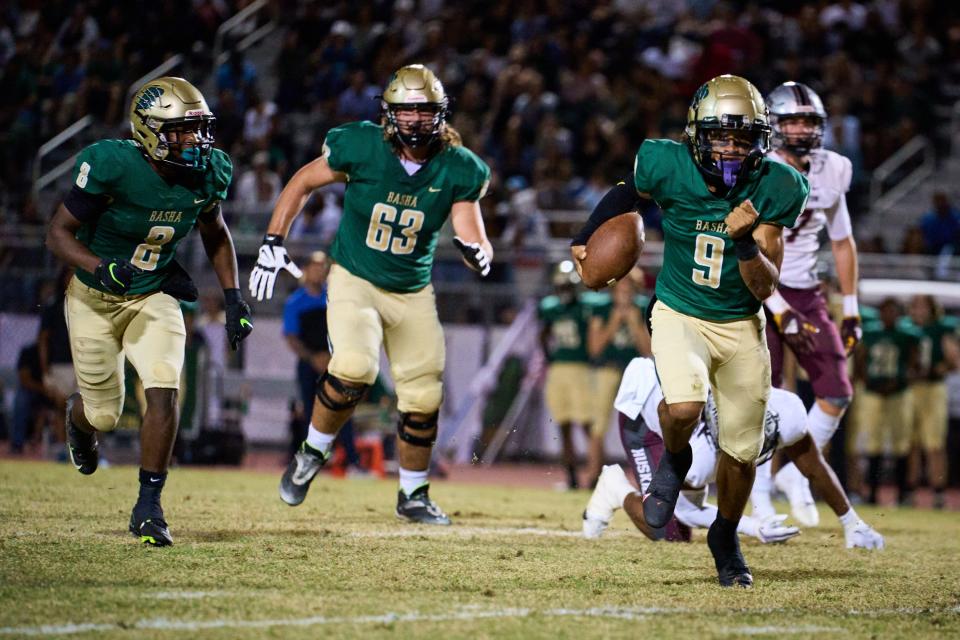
(404, 178)
(131, 204)
(724, 208)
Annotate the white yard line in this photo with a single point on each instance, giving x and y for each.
(189, 595)
(474, 531)
(464, 613)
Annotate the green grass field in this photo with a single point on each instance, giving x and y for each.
(513, 565)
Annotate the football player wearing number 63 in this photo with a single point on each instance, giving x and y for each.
(131, 204)
(724, 209)
(405, 177)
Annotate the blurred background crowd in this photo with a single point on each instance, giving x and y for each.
(555, 95)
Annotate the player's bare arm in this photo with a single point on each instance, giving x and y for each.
(218, 244)
(759, 249)
(62, 241)
(311, 176)
(848, 273)
(470, 236)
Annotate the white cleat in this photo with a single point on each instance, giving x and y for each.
(802, 506)
(606, 499)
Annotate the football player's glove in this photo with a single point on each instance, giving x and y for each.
(179, 284)
(851, 332)
(797, 331)
(116, 275)
(772, 529)
(860, 535)
(271, 259)
(239, 322)
(474, 254)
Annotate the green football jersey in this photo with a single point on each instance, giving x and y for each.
(621, 348)
(391, 220)
(147, 216)
(700, 276)
(930, 343)
(566, 326)
(888, 356)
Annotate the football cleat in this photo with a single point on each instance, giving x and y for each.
(802, 505)
(732, 569)
(303, 467)
(147, 524)
(664, 489)
(419, 508)
(603, 502)
(82, 447)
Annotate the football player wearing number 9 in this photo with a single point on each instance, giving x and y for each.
(404, 178)
(724, 209)
(131, 204)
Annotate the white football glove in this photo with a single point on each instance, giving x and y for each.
(860, 535)
(271, 259)
(474, 254)
(772, 529)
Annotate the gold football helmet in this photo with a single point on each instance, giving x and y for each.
(414, 87)
(161, 112)
(728, 108)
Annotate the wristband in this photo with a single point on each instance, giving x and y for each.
(851, 308)
(232, 296)
(776, 304)
(273, 239)
(746, 247)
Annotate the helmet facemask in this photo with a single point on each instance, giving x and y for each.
(799, 144)
(730, 149)
(416, 131)
(172, 149)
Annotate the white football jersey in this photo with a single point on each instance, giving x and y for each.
(640, 394)
(830, 174)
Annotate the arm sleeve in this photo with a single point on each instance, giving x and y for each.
(291, 318)
(85, 207)
(620, 199)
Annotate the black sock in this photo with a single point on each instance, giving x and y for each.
(151, 484)
(680, 462)
(874, 468)
(572, 477)
(726, 527)
(901, 472)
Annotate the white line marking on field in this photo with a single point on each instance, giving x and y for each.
(473, 531)
(772, 630)
(188, 595)
(464, 613)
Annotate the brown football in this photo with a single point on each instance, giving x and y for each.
(613, 250)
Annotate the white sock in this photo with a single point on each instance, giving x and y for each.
(789, 475)
(410, 481)
(322, 442)
(821, 425)
(849, 519)
(760, 496)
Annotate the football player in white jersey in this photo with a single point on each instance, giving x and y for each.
(784, 429)
(798, 309)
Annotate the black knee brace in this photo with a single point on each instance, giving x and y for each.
(353, 394)
(419, 434)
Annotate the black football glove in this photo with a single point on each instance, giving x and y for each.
(474, 254)
(239, 319)
(178, 283)
(116, 275)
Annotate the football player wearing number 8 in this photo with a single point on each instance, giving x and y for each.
(724, 209)
(404, 178)
(131, 204)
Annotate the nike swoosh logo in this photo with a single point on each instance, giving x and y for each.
(245, 323)
(200, 201)
(433, 189)
(112, 267)
(154, 480)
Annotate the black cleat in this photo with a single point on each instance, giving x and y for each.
(664, 488)
(418, 507)
(147, 524)
(82, 447)
(732, 569)
(303, 467)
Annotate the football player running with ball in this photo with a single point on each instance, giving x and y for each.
(131, 204)
(404, 178)
(724, 210)
(798, 308)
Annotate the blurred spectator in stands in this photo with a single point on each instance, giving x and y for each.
(237, 75)
(258, 189)
(229, 121)
(359, 100)
(79, 31)
(29, 400)
(105, 91)
(912, 243)
(305, 330)
(56, 360)
(259, 121)
(941, 226)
